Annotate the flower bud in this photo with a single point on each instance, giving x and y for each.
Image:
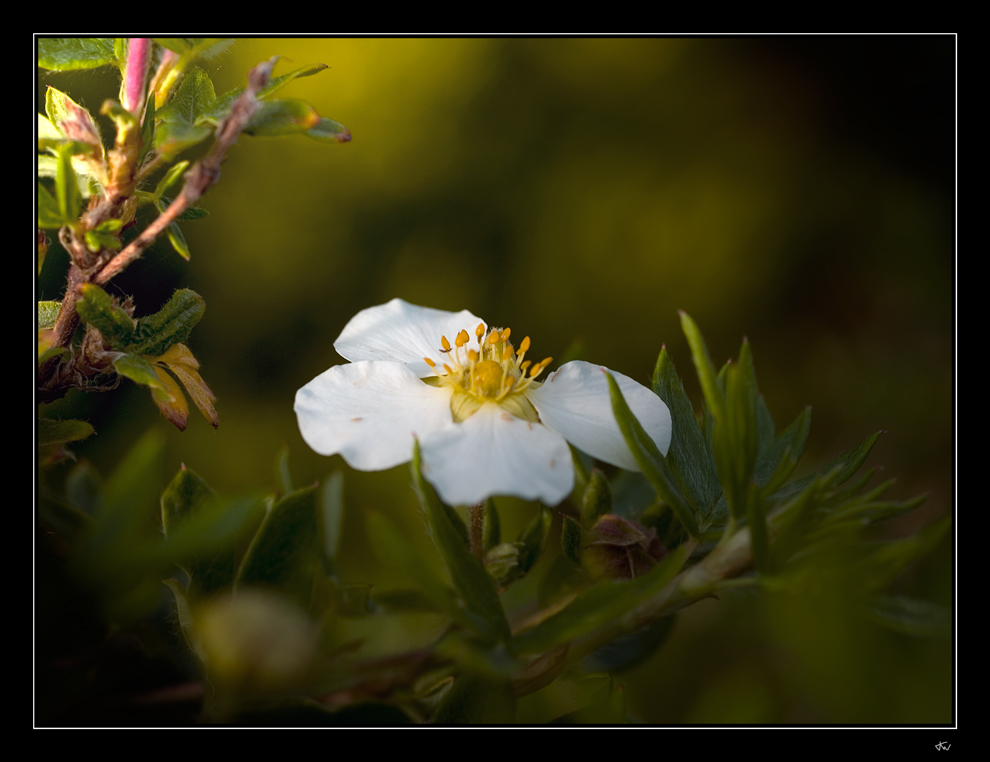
(619, 548)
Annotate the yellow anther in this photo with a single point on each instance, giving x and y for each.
(508, 352)
(493, 337)
(462, 338)
(480, 330)
(524, 365)
(472, 355)
(429, 362)
(524, 345)
(445, 344)
(448, 369)
(509, 383)
(505, 333)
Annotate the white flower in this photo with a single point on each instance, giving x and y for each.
(485, 425)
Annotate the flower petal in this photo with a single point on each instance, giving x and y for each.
(495, 453)
(575, 402)
(403, 332)
(369, 412)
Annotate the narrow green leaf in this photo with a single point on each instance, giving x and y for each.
(533, 538)
(690, 458)
(649, 459)
(67, 194)
(758, 531)
(837, 471)
(70, 53)
(714, 396)
(469, 576)
(778, 461)
(169, 178)
(736, 439)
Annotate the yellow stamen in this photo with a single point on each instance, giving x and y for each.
(480, 330)
(462, 338)
(524, 345)
(429, 362)
(448, 369)
(445, 343)
(472, 355)
(505, 333)
(493, 338)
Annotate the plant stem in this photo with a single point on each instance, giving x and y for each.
(477, 531)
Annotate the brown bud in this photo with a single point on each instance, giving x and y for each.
(619, 548)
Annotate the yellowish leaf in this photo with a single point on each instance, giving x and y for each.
(180, 360)
(171, 401)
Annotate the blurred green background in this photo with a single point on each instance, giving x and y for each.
(795, 190)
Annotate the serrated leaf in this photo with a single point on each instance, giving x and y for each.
(154, 334)
(469, 576)
(185, 120)
(71, 53)
(650, 461)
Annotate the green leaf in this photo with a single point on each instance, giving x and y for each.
(597, 498)
(690, 458)
(62, 432)
(154, 334)
(285, 549)
(476, 587)
(140, 371)
(332, 514)
(532, 539)
(570, 539)
(779, 460)
(97, 308)
(648, 457)
(392, 547)
(186, 119)
(69, 53)
(910, 616)
(476, 699)
(169, 178)
(628, 651)
(282, 117)
(67, 194)
(48, 314)
(714, 396)
(836, 471)
(736, 436)
(329, 131)
(599, 605)
(491, 529)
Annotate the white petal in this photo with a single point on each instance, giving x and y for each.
(369, 412)
(403, 332)
(575, 402)
(495, 453)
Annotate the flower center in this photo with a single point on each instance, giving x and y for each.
(484, 369)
